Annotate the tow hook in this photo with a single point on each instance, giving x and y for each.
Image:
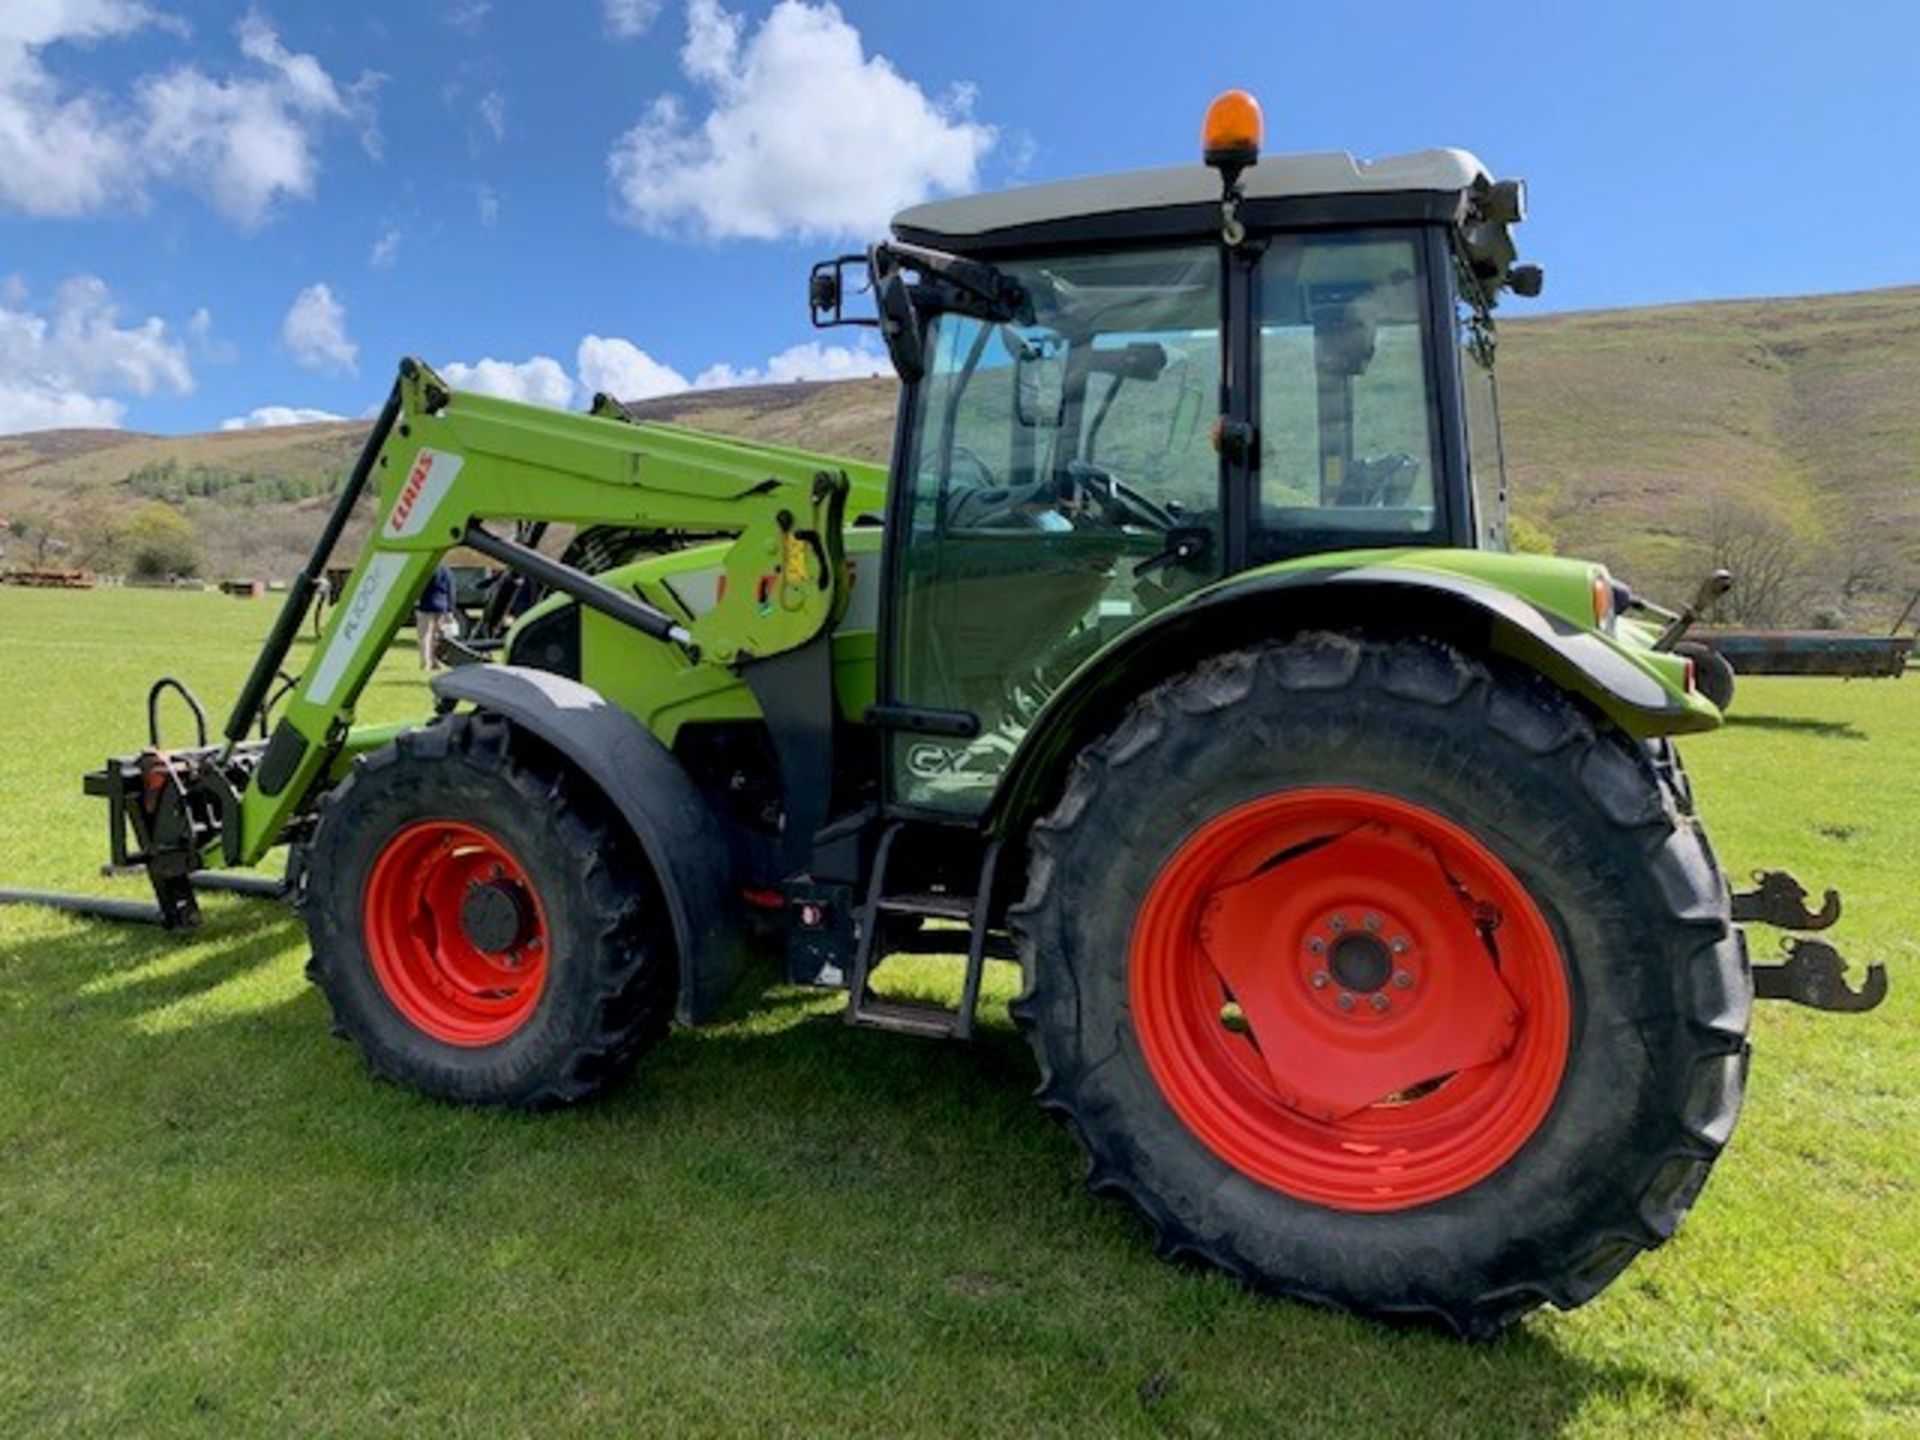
(1814, 975)
(1779, 900)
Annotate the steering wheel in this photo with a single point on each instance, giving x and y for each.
(1119, 502)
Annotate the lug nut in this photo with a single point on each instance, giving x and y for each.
(1319, 980)
(1402, 980)
(1372, 922)
(1337, 924)
(1379, 1001)
(1346, 1000)
(1317, 945)
(1399, 946)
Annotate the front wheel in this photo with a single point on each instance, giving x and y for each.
(1409, 991)
(483, 928)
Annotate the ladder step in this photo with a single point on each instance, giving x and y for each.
(905, 1017)
(932, 905)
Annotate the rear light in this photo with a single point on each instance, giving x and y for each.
(1693, 676)
(1602, 599)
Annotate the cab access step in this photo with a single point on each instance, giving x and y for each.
(895, 921)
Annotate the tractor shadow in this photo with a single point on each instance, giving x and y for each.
(1799, 725)
(120, 972)
(876, 1184)
(911, 1127)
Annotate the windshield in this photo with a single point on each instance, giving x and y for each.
(1063, 485)
(1348, 419)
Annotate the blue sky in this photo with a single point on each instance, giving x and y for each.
(212, 210)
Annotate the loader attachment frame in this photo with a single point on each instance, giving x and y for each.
(446, 465)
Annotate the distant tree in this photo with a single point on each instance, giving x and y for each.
(100, 530)
(35, 529)
(161, 543)
(1772, 576)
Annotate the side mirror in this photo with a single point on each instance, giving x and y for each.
(900, 326)
(827, 293)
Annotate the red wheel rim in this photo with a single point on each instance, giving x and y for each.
(442, 979)
(1349, 998)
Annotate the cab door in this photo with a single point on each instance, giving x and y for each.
(1060, 483)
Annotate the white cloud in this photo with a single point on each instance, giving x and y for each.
(488, 205)
(468, 15)
(493, 114)
(623, 370)
(385, 250)
(810, 361)
(61, 154)
(270, 417)
(204, 343)
(629, 19)
(806, 133)
(246, 141)
(539, 381)
(617, 367)
(63, 368)
(315, 330)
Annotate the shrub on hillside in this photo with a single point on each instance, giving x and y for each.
(161, 544)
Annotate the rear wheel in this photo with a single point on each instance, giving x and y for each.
(482, 929)
(1410, 991)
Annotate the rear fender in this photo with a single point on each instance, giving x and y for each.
(661, 805)
(1374, 599)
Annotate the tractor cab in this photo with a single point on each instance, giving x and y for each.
(1121, 390)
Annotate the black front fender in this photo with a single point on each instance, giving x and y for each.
(652, 792)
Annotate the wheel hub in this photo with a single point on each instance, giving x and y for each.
(1361, 962)
(496, 916)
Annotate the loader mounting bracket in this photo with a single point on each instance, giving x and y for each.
(1814, 975)
(1779, 900)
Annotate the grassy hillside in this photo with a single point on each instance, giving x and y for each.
(1635, 436)
(1626, 428)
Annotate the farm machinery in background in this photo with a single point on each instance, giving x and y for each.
(1721, 653)
(1372, 947)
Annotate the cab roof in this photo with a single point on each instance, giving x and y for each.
(1328, 188)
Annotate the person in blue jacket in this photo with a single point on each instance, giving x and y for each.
(430, 614)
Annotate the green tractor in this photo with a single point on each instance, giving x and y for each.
(1372, 948)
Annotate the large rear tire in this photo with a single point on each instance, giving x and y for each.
(483, 929)
(1409, 990)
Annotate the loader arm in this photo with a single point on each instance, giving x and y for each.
(447, 465)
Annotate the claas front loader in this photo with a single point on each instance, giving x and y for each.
(1372, 947)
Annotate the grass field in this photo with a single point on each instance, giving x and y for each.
(212, 1221)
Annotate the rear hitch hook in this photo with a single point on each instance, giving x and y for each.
(1814, 975)
(1779, 900)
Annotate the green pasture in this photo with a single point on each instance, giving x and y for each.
(213, 1222)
